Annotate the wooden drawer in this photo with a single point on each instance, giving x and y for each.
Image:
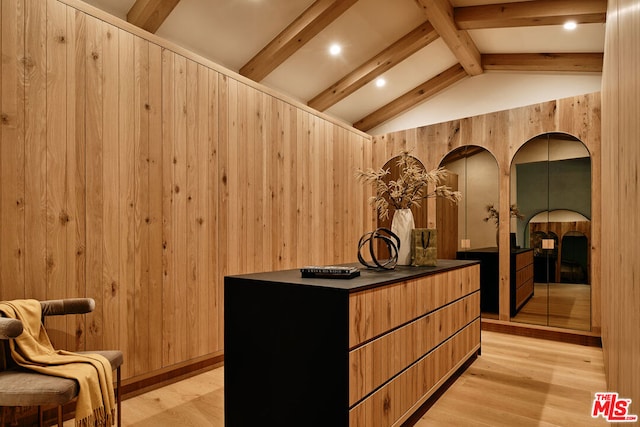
(524, 259)
(376, 311)
(370, 365)
(523, 292)
(524, 275)
(393, 403)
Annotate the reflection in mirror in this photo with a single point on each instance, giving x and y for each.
(551, 185)
(420, 217)
(445, 210)
(477, 172)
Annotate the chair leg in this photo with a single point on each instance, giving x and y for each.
(118, 398)
(40, 416)
(60, 420)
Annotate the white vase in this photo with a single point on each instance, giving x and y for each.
(401, 225)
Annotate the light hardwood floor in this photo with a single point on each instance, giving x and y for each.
(517, 381)
(563, 305)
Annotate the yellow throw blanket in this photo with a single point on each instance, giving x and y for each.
(33, 350)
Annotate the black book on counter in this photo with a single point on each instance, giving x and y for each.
(329, 272)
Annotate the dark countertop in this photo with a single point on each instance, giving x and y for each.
(368, 277)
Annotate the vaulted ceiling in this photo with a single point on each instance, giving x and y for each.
(420, 47)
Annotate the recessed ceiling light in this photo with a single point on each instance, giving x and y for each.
(570, 25)
(380, 82)
(335, 49)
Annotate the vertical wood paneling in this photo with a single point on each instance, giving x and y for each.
(140, 350)
(203, 221)
(158, 176)
(144, 177)
(111, 188)
(289, 186)
(303, 208)
(503, 133)
(155, 291)
(35, 147)
(620, 199)
(213, 284)
(75, 179)
(12, 151)
(169, 305)
(275, 147)
(56, 164)
(94, 183)
(127, 182)
(180, 208)
(193, 273)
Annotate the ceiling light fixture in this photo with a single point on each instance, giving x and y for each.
(380, 82)
(335, 49)
(570, 25)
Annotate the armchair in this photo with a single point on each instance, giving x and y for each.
(22, 387)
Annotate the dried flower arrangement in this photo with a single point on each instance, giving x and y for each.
(493, 214)
(411, 186)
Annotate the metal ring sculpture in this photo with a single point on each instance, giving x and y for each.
(393, 246)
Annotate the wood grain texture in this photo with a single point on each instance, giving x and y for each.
(530, 13)
(516, 381)
(139, 177)
(370, 366)
(412, 98)
(35, 144)
(98, 238)
(394, 402)
(56, 163)
(620, 198)
(578, 116)
(309, 23)
(375, 311)
(12, 138)
(441, 15)
(570, 62)
(391, 56)
(150, 14)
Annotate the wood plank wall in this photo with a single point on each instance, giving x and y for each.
(621, 200)
(139, 174)
(502, 134)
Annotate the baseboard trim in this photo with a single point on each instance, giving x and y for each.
(544, 332)
(135, 386)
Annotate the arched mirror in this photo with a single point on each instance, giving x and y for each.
(477, 173)
(551, 188)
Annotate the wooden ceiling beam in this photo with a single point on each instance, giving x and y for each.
(573, 62)
(412, 98)
(530, 13)
(306, 26)
(150, 14)
(406, 46)
(440, 14)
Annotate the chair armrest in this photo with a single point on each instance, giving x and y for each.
(59, 307)
(9, 328)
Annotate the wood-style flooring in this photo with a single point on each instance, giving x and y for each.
(517, 381)
(563, 305)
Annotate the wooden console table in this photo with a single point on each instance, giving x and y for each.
(360, 352)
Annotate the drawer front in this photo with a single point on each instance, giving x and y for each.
(523, 292)
(376, 311)
(524, 275)
(374, 363)
(396, 400)
(524, 259)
